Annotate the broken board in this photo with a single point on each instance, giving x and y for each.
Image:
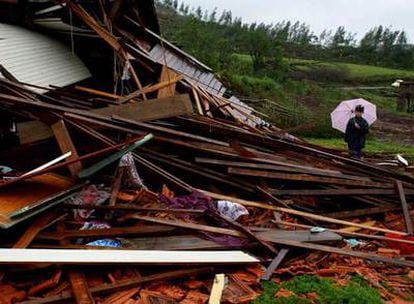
(150, 109)
(27, 198)
(97, 256)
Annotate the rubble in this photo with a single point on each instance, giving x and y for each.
(167, 170)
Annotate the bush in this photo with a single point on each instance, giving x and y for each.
(253, 86)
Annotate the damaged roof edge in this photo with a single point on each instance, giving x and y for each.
(148, 13)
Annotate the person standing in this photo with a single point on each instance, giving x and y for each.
(356, 132)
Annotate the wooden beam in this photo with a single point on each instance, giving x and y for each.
(350, 234)
(129, 207)
(298, 213)
(306, 178)
(150, 89)
(406, 212)
(30, 234)
(167, 75)
(102, 233)
(217, 289)
(97, 92)
(80, 287)
(181, 242)
(275, 263)
(151, 257)
(247, 232)
(186, 225)
(66, 145)
(298, 235)
(33, 131)
(197, 101)
(116, 185)
(340, 251)
(151, 109)
(337, 192)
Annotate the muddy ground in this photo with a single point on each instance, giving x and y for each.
(393, 128)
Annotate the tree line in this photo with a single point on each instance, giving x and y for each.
(215, 37)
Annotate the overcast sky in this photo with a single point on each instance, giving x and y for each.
(356, 15)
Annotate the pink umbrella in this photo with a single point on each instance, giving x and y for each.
(345, 111)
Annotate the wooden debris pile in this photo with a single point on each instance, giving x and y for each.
(132, 184)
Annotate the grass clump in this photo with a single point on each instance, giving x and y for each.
(357, 291)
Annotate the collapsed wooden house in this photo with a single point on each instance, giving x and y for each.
(151, 155)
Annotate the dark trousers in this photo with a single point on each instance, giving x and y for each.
(355, 152)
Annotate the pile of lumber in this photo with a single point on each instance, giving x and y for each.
(110, 195)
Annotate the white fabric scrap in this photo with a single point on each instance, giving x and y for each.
(231, 210)
(133, 178)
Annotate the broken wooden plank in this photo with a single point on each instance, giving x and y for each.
(116, 185)
(80, 287)
(217, 289)
(247, 232)
(297, 235)
(306, 178)
(337, 192)
(66, 145)
(33, 131)
(97, 92)
(167, 75)
(349, 234)
(22, 201)
(102, 233)
(150, 110)
(183, 242)
(279, 168)
(296, 212)
(186, 225)
(129, 207)
(150, 89)
(30, 234)
(274, 264)
(347, 252)
(93, 256)
(406, 212)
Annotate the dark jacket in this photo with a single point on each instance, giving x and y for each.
(356, 137)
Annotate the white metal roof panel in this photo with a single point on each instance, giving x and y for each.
(37, 59)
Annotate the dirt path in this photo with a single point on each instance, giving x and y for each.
(394, 128)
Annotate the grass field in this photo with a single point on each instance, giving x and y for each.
(372, 146)
(356, 71)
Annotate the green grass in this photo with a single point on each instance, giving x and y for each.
(355, 292)
(372, 146)
(355, 72)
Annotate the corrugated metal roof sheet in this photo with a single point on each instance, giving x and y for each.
(204, 78)
(37, 59)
